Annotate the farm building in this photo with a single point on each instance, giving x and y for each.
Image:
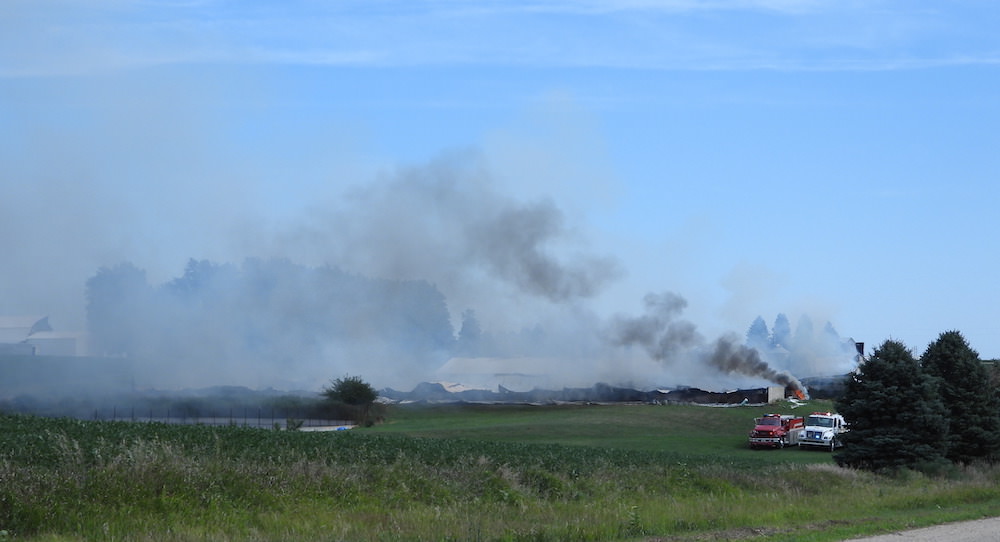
(517, 374)
(442, 392)
(541, 379)
(15, 329)
(33, 335)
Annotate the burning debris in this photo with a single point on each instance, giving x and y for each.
(730, 357)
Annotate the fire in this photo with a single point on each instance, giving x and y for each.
(800, 395)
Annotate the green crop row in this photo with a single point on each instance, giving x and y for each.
(64, 479)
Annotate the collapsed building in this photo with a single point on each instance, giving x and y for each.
(442, 392)
(550, 380)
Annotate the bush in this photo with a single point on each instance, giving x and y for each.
(355, 393)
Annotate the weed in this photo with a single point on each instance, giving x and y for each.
(633, 524)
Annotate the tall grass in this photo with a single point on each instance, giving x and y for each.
(72, 480)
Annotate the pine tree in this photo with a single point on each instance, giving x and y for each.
(781, 332)
(470, 336)
(973, 405)
(895, 417)
(757, 335)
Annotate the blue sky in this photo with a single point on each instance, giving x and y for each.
(834, 159)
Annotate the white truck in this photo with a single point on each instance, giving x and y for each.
(823, 430)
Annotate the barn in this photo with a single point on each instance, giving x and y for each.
(33, 335)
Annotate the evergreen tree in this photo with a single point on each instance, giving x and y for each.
(973, 405)
(895, 417)
(757, 335)
(831, 335)
(470, 335)
(781, 332)
(116, 317)
(803, 348)
(804, 332)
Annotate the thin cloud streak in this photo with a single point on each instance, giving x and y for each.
(750, 35)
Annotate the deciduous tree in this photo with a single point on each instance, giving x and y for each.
(353, 392)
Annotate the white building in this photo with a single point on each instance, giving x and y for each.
(515, 374)
(33, 335)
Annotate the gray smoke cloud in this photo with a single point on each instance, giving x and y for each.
(518, 262)
(668, 339)
(511, 241)
(658, 331)
(319, 296)
(154, 179)
(449, 222)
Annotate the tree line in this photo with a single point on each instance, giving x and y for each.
(924, 413)
(263, 312)
(804, 351)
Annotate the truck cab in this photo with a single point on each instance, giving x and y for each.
(823, 430)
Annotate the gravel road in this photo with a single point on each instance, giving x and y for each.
(980, 530)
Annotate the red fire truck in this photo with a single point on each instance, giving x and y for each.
(776, 431)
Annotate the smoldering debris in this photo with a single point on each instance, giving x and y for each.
(601, 393)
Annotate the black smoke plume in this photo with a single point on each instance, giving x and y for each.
(729, 356)
(667, 339)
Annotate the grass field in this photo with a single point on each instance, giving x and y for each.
(459, 472)
(697, 432)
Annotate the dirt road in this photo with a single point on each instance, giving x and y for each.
(981, 530)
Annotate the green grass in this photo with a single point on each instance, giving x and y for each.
(691, 431)
(492, 473)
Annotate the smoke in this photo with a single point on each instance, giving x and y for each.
(152, 172)
(421, 242)
(671, 340)
(729, 356)
(368, 282)
(511, 245)
(658, 331)
(519, 262)
(450, 222)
